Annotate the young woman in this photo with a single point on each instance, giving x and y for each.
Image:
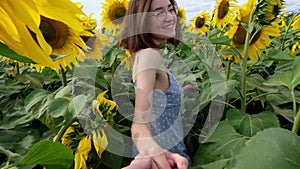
(156, 128)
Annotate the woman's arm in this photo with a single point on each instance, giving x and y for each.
(141, 127)
(148, 67)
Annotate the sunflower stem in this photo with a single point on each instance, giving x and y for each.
(62, 131)
(258, 96)
(296, 124)
(244, 63)
(286, 31)
(294, 103)
(10, 166)
(17, 68)
(228, 69)
(64, 77)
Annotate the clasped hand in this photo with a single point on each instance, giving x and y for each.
(163, 160)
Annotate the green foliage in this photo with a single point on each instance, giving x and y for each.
(221, 145)
(6, 51)
(229, 138)
(289, 79)
(50, 154)
(278, 148)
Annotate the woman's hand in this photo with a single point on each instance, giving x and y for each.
(140, 163)
(178, 160)
(163, 160)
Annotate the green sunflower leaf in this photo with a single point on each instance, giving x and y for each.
(249, 125)
(58, 107)
(223, 143)
(49, 153)
(278, 55)
(296, 73)
(223, 40)
(280, 79)
(271, 149)
(7, 52)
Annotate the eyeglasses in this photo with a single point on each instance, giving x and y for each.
(161, 15)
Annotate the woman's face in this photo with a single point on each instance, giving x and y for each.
(162, 20)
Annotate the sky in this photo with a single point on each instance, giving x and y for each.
(192, 7)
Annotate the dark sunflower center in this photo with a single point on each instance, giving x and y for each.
(55, 32)
(240, 36)
(180, 14)
(121, 12)
(256, 36)
(276, 10)
(199, 22)
(117, 15)
(48, 31)
(223, 9)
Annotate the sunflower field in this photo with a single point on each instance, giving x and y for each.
(65, 97)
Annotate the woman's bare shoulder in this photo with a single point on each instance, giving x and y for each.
(146, 59)
(149, 52)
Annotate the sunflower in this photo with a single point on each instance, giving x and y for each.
(82, 142)
(268, 10)
(63, 35)
(261, 38)
(224, 13)
(200, 23)
(37, 29)
(64, 41)
(18, 24)
(113, 14)
(181, 15)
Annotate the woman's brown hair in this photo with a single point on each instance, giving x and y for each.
(134, 36)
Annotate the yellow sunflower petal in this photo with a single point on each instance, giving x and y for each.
(81, 155)
(272, 30)
(100, 97)
(100, 141)
(296, 22)
(181, 15)
(254, 53)
(63, 11)
(64, 140)
(295, 48)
